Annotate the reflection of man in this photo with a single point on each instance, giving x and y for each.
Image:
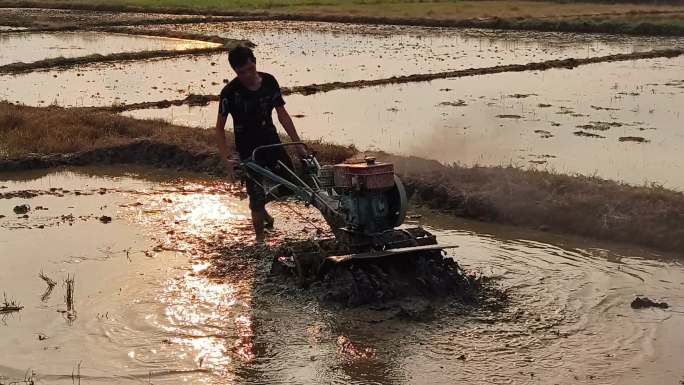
(250, 98)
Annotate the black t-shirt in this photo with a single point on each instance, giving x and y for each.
(251, 111)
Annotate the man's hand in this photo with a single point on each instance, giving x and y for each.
(301, 151)
(226, 157)
(286, 121)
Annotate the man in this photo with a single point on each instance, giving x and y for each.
(251, 98)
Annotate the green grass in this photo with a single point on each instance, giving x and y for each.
(459, 9)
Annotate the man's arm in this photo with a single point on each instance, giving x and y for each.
(224, 153)
(285, 119)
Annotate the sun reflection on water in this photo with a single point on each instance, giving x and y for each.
(212, 317)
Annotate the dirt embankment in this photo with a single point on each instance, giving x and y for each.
(66, 24)
(32, 138)
(641, 23)
(198, 100)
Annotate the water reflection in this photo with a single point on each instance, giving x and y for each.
(34, 46)
(209, 316)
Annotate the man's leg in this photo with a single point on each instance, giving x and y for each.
(257, 205)
(258, 217)
(268, 220)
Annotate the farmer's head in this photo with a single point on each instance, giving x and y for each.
(243, 62)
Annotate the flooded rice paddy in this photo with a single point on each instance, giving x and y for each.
(307, 53)
(106, 84)
(301, 53)
(146, 311)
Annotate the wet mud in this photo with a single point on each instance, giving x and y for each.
(635, 139)
(402, 287)
(645, 302)
(399, 282)
(588, 135)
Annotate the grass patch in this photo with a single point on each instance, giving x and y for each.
(389, 8)
(646, 215)
(56, 130)
(25, 130)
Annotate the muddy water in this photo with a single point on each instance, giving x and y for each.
(29, 47)
(306, 53)
(145, 312)
(527, 119)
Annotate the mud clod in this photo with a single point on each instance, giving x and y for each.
(645, 302)
(588, 135)
(521, 96)
(636, 139)
(599, 126)
(22, 209)
(544, 134)
(458, 103)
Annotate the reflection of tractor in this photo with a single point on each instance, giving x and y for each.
(363, 202)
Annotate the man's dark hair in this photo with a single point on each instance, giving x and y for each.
(238, 56)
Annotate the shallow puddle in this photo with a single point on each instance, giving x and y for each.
(29, 47)
(145, 312)
(528, 119)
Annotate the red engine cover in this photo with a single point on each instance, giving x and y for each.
(364, 174)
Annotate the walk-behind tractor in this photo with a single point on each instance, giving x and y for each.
(365, 204)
